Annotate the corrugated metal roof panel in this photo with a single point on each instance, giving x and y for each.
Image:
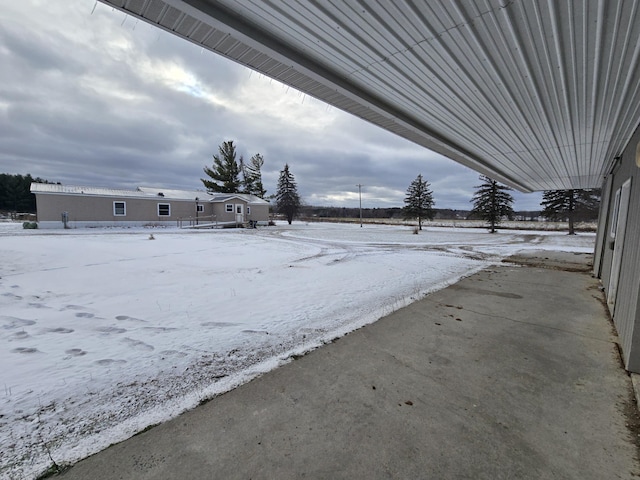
(539, 95)
(145, 192)
(154, 10)
(84, 190)
(214, 39)
(173, 194)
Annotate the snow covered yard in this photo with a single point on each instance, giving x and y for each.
(105, 332)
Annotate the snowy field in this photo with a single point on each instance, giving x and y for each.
(105, 332)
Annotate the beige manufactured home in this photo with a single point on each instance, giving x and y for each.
(71, 206)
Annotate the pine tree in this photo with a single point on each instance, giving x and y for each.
(245, 181)
(570, 205)
(492, 201)
(15, 192)
(419, 201)
(225, 174)
(287, 199)
(252, 175)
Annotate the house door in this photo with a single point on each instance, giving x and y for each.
(618, 228)
(239, 213)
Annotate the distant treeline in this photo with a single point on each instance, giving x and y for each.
(15, 193)
(397, 213)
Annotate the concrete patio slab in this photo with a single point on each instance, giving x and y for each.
(511, 373)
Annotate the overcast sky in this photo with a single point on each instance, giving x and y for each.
(90, 96)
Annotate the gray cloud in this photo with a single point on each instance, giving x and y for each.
(91, 96)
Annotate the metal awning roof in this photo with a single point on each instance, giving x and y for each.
(539, 94)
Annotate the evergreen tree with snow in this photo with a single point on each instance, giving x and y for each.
(224, 176)
(287, 199)
(570, 205)
(492, 201)
(419, 201)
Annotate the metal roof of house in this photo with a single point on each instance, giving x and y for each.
(174, 194)
(540, 95)
(223, 197)
(200, 194)
(84, 190)
(143, 192)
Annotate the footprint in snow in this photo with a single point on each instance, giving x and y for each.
(75, 352)
(218, 324)
(109, 361)
(59, 330)
(159, 329)
(12, 295)
(173, 353)
(72, 307)
(84, 315)
(111, 330)
(13, 322)
(25, 350)
(38, 305)
(138, 344)
(127, 317)
(18, 336)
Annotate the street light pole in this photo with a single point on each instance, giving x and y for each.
(360, 196)
(196, 210)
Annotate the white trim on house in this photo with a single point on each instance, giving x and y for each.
(614, 216)
(245, 197)
(119, 212)
(164, 209)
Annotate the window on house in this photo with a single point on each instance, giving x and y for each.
(248, 210)
(164, 210)
(228, 207)
(120, 209)
(199, 208)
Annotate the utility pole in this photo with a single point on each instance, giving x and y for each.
(360, 196)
